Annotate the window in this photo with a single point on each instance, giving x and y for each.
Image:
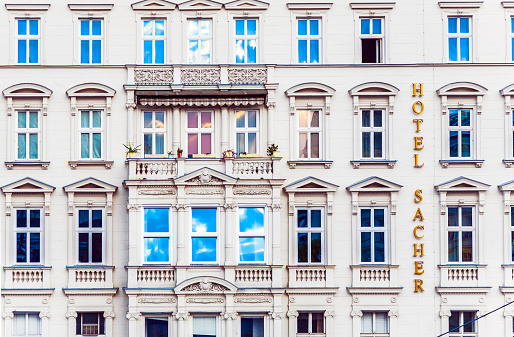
(154, 38)
(512, 37)
(26, 324)
(310, 323)
(91, 36)
(459, 38)
(246, 40)
(28, 131)
(252, 326)
(373, 235)
(372, 36)
(512, 232)
(461, 229)
(204, 235)
(512, 132)
(309, 40)
(374, 324)
(460, 128)
(373, 132)
(247, 131)
(156, 235)
(465, 318)
(27, 37)
(204, 326)
(28, 233)
(309, 234)
(309, 130)
(154, 130)
(90, 236)
(252, 236)
(199, 41)
(91, 134)
(156, 327)
(199, 132)
(90, 324)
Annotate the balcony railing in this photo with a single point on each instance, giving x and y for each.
(463, 276)
(151, 277)
(90, 277)
(27, 277)
(311, 276)
(375, 276)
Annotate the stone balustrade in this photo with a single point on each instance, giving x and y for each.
(311, 276)
(27, 277)
(374, 276)
(90, 277)
(463, 276)
(151, 277)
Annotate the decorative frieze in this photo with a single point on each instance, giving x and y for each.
(251, 192)
(252, 300)
(205, 300)
(205, 286)
(157, 192)
(153, 76)
(247, 76)
(205, 191)
(200, 76)
(159, 300)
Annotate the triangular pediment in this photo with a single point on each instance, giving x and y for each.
(246, 5)
(154, 5)
(90, 185)
(205, 285)
(462, 184)
(508, 186)
(310, 185)
(205, 176)
(27, 185)
(199, 5)
(374, 184)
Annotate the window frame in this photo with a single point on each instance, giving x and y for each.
(92, 130)
(199, 132)
(310, 230)
(90, 38)
(460, 332)
(206, 235)
(245, 37)
(372, 129)
(460, 36)
(100, 319)
(374, 333)
(460, 129)
(380, 37)
(216, 319)
(264, 234)
(309, 131)
(309, 37)
(27, 131)
(247, 130)
(29, 230)
(310, 333)
(90, 231)
(386, 230)
(460, 229)
(210, 37)
(157, 316)
(168, 235)
(154, 131)
(153, 38)
(37, 37)
(25, 314)
(253, 315)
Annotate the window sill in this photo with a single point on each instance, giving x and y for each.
(326, 163)
(27, 266)
(373, 163)
(42, 164)
(76, 163)
(447, 162)
(508, 162)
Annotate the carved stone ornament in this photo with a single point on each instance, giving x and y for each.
(229, 315)
(508, 313)
(200, 76)
(132, 316)
(292, 313)
(330, 313)
(109, 314)
(8, 315)
(253, 300)
(205, 286)
(204, 191)
(205, 179)
(245, 191)
(205, 300)
(356, 312)
(71, 314)
(156, 300)
(394, 313)
(44, 314)
(277, 315)
(182, 316)
(247, 76)
(132, 207)
(153, 76)
(445, 313)
(156, 192)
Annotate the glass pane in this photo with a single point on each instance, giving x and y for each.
(452, 25)
(147, 52)
(314, 51)
(240, 27)
(156, 326)
(464, 49)
(22, 119)
(157, 250)
(381, 322)
(147, 27)
(21, 218)
(33, 121)
(467, 246)
(365, 247)
(35, 220)
(252, 326)
(453, 247)
(467, 216)
(367, 322)
(159, 143)
(19, 324)
(314, 145)
(377, 144)
(205, 51)
(240, 118)
(453, 322)
(302, 27)
(302, 145)
(365, 26)
(379, 247)
(206, 120)
(465, 117)
(240, 51)
(251, 27)
(316, 247)
(251, 48)
(377, 118)
(453, 216)
(159, 51)
(252, 119)
(97, 119)
(378, 217)
(464, 25)
(252, 143)
(366, 144)
(303, 116)
(377, 26)
(96, 46)
(204, 326)
(21, 247)
(512, 246)
(317, 322)
(33, 146)
(33, 51)
(147, 143)
(22, 51)
(302, 51)
(316, 218)
(193, 27)
(34, 324)
(22, 27)
(302, 218)
(454, 143)
(240, 142)
(366, 118)
(205, 27)
(203, 220)
(96, 221)
(84, 119)
(251, 249)
(251, 220)
(97, 27)
(454, 118)
(33, 27)
(303, 247)
(314, 27)
(452, 48)
(302, 321)
(365, 217)
(157, 220)
(96, 248)
(22, 146)
(159, 27)
(468, 316)
(206, 143)
(314, 119)
(83, 218)
(192, 143)
(84, 247)
(193, 51)
(192, 120)
(84, 145)
(203, 250)
(466, 144)
(84, 27)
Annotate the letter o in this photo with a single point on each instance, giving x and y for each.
(414, 107)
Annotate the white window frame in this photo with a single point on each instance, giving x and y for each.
(25, 314)
(372, 129)
(168, 235)
(246, 130)
(460, 36)
(199, 131)
(168, 317)
(28, 38)
(310, 333)
(246, 37)
(460, 129)
(100, 317)
(205, 235)
(379, 36)
(216, 317)
(90, 38)
(90, 230)
(374, 333)
(27, 131)
(460, 229)
(199, 38)
(310, 130)
(508, 93)
(153, 131)
(460, 332)
(509, 33)
(153, 38)
(29, 231)
(250, 235)
(92, 130)
(253, 315)
(309, 37)
(310, 230)
(372, 230)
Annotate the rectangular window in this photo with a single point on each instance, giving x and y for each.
(28, 132)
(310, 225)
(460, 129)
(91, 36)
(91, 236)
(372, 134)
(247, 131)
(28, 37)
(90, 324)
(28, 231)
(252, 236)
(512, 37)
(199, 33)
(459, 39)
(91, 134)
(372, 40)
(199, 132)
(512, 231)
(246, 40)
(204, 326)
(309, 134)
(252, 326)
(308, 35)
(26, 324)
(204, 235)
(157, 235)
(464, 318)
(373, 235)
(374, 324)
(156, 327)
(461, 234)
(310, 323)
(154, 41)
(154, 132)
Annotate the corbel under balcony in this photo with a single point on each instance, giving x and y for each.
(310, 163)
(74, 164)
(445, 163)
(13, 164)
(373, 163)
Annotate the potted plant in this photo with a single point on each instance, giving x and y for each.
(228, 153)
(170, 154)
(131, 151)
(273, 150)
(179, 152)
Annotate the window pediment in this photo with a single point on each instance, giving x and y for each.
(90, 185)
(90, 7)
(91, 89)
(153, 5)
(27, 7)
(27, 90)
(508, 90)
(508, 186)
(462, 89)
(312, 5)
(462, 184)
(374, 89)
(27, 185)
(246, 5)
(460, 4)
(205, 285)
(310, 89)
(199, 5)
(372, 5)
(374, 184)
(205, 176)
(310, 185)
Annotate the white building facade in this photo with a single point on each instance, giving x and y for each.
(387, 211)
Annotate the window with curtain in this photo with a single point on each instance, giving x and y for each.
(309, 134)
(204, 326)
(91, 134)
(309, 235)
(26, 324)
(154, 132)
(199, 33)
(461, 234)
(91, 236)
(308, 35)
(252, 234)
(310, 323)
(157, 235)
(204, 235)
(459, 39)
(28, 37)
(28, 132)
(199, 132)
(252, 326)
(373, 234)
(154, 41)
(28, 231)
(372, 40)
(372, 134)
(247, 131)
(464, 318)
(460, 129)
(374, 324)
(90, 324)
(246, 39)
(91, 37)
(156, 327)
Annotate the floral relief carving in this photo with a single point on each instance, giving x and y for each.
(157, 192)
(157, 300)
(252, 191)
(247, 76)
(205, 286)
(253, 300)
(205, 179)
(200, 76)
(212, 191)
(153, 76)
(205, 300)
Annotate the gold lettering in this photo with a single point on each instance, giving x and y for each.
(417, 89)
(416, 162)
(420, 250)
(415, 231)
(418, 267)
(418, 215)
(418, 121)
(418, 198)
(422, 107)
(418, 285)
(418, 141)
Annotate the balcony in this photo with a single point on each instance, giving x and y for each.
(374, 276)
(311, 276)
(151, 277)
(463, 276)
(90, 277)
(27, 277)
